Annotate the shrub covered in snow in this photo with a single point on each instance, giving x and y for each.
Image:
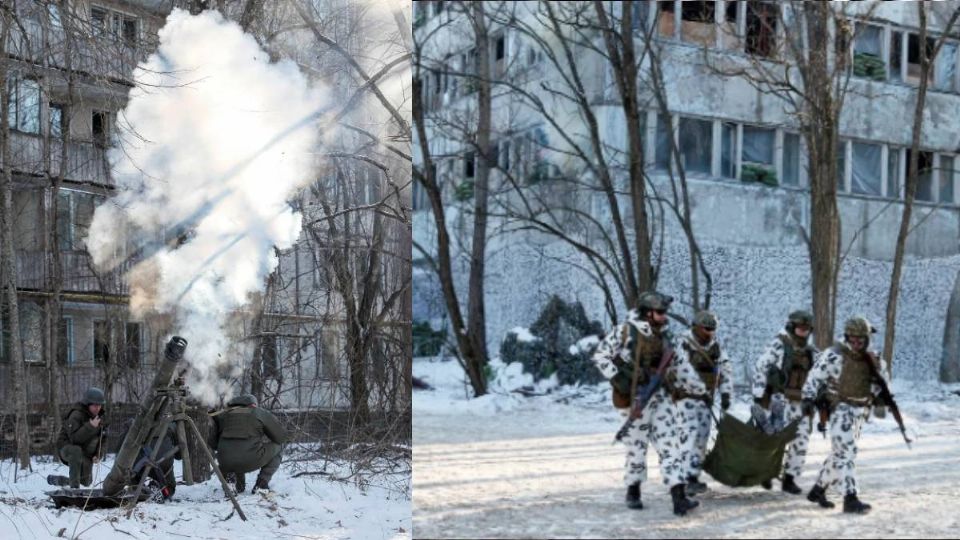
(559, 343)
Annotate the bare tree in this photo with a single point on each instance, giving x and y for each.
(913, 169)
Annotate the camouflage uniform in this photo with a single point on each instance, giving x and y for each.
(789, 394)
(845, 375)
(714, 369)
(248, 438)
(658, 422)
(79, 442)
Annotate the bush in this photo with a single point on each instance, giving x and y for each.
(559, 327)
(464, 191)
(426, 340)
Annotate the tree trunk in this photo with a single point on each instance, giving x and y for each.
(8, 270)
(476, 311)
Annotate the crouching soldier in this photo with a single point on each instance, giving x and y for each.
(778, 379)
(629, 357)
(848, 373)
(247, 438)
(700, 349)
(80, 438)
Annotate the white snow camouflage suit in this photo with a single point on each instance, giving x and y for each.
(658, 422)
(695, 417)
(796, 452)
(846, 419)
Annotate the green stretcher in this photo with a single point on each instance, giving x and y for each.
(745, 456)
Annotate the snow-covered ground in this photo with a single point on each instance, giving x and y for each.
(303, 507)
(506, 465)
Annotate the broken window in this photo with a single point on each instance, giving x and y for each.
(946, 179)
(896, 56)
(913, 58)
(729, 35)
(697, 23)
(23, 112)
(945, 68)
(101, 343)
(867, 168)
(893, 173)
(98, 18)
(663, 143)
(666, 22)
(728, 150)
(469, 165)
(503, 155)
(100, 127)
(499, 55)
(925, 175)
(696, 144)
(270, 356)
(791, 159)
(867, 55)
(761, 38)
(74, 216)
(133, 344)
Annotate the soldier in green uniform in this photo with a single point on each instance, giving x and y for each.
(79, 443)
(247, 438)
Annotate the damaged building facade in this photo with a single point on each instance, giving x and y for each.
(67, 76)
(743, 153)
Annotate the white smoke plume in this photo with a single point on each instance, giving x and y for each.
(213, 141)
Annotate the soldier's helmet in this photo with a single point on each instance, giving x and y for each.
(653, 301)
(705, 319)
(858, 327)
(799, 317)
(94, 396)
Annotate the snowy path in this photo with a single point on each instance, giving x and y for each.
(549, 470)
(304, 507)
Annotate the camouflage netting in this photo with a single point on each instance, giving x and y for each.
(558, 330)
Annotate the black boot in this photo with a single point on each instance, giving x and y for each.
(767, 484)
(818, 495)
(260, 485)
(853, 505)
(58, 480)
(681, 504)
(695, 486)
(241, 483)
(633, 497)
(790, 486)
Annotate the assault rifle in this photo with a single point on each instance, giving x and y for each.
(646, 391)
(886, 397)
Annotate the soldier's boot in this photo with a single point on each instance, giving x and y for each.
(818, 495)
(767, 484)
(261, 485)
(695, 486)
(266, 472)
(681, 504)
(790, 486)
(853, 505)
(58, 480)
(633, 497)
(241, 483)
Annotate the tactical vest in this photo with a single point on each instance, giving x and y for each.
(646, 353)
(797, 364)
(705, 361)
(853, 386)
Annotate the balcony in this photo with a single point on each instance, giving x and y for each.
(101, 57)
(86, 162)
(79, 275)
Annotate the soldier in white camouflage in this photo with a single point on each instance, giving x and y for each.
(846, 376)
(700, 349)
(629, 357)
(778, 379)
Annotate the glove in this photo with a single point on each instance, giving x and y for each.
(807, 407)
(822, 428)
(880, 411)
(724, 401)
